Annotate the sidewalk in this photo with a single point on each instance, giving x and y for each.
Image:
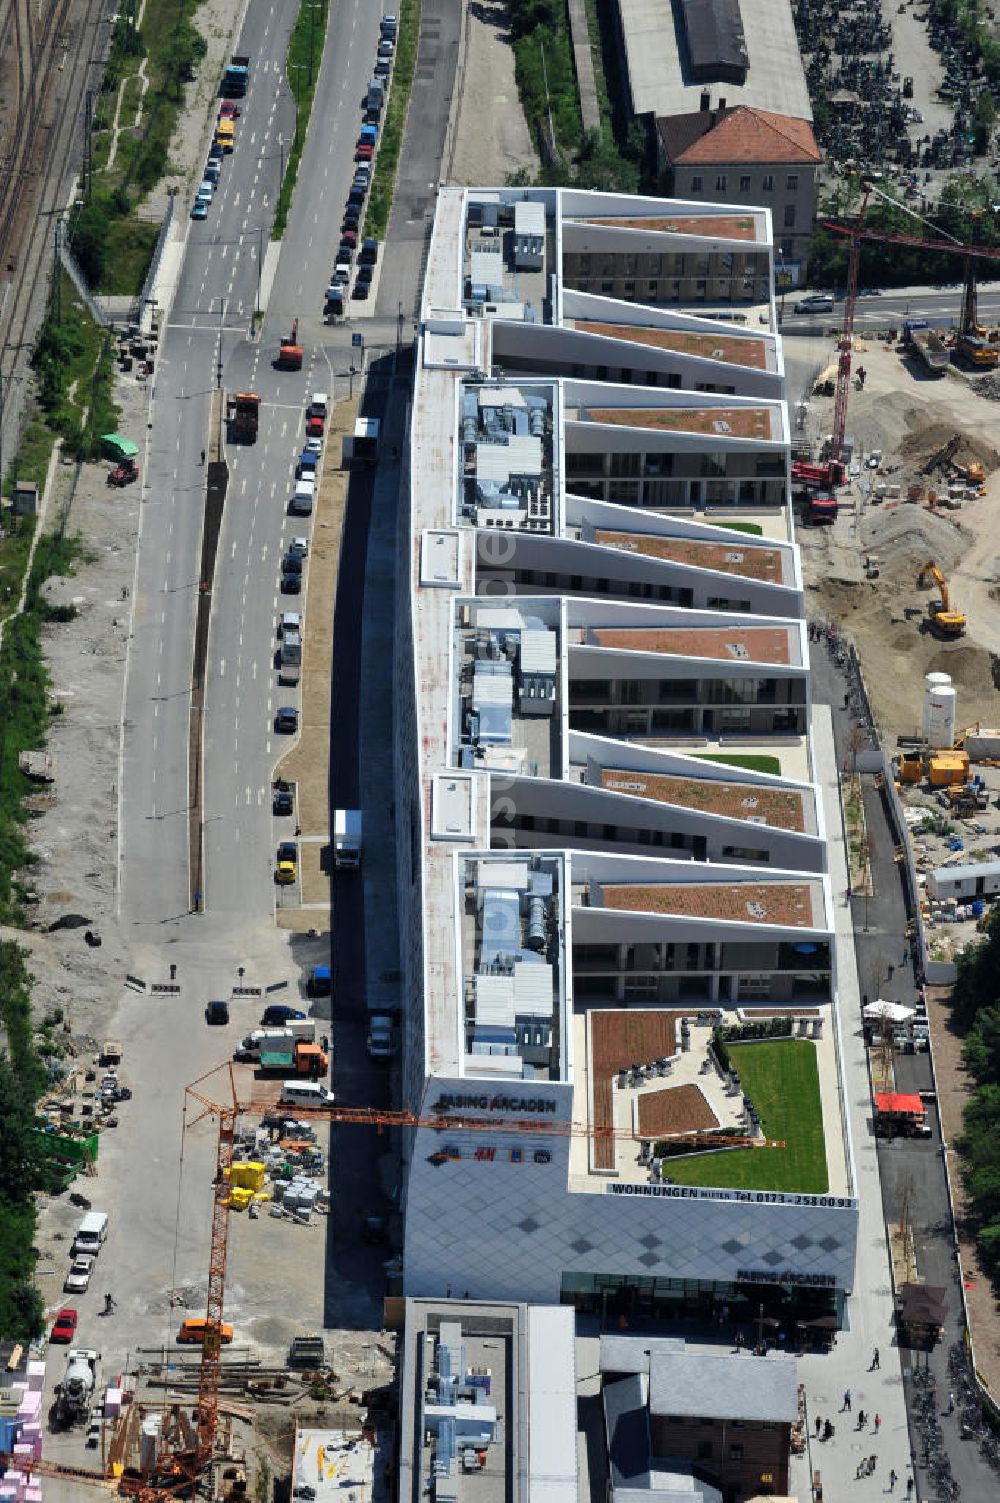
(869, 1310)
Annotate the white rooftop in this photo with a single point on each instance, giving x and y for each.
(660, 84)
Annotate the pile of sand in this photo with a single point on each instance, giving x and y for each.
(906, 537)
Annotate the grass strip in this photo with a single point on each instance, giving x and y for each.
(753, 761)
(782, 1081)
(302, 64)
(393, 121)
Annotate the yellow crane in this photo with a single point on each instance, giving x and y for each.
(949, 622)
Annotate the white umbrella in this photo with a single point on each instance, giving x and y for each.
(894, 1011)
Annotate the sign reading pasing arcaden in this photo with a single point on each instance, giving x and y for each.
(539, 1105)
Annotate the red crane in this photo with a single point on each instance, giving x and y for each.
(831, 472)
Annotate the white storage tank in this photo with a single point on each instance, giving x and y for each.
(939, 711)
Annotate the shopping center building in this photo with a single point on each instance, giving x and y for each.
(617, 923)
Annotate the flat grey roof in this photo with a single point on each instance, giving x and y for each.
(728, 1387)
(659, 73)
(962, 873)
(630, 1354)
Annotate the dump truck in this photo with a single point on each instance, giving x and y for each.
(928, 347)
(290, 351)
(236, 78)
(347, 838)
(299, 1058)
(76, 1390)
(243, 416)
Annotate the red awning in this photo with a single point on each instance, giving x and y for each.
(891, 1101)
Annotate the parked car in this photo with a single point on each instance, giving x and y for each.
(64, 1327)
(361, 290)
(78, 1278)
(298, 547)
(286, 720)
(282, 798)
(291, 582)
(364, 153)
(199, 209)
(194, 1331)
(276, 1013)
(818, 304)
(228, 110)
(217, 1012)
(286, 870)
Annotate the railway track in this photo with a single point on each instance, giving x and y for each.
(47, 52)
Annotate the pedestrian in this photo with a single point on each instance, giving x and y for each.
(878, 1423)
(861, 1420)
(892, 1479)
(871, 1461)
(847, 1400)
(875, 1358)
(909, 1487)
(860, 1471)
(951, 1404)
(828, 1431)
(819, 1422)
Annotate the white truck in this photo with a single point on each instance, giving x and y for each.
(250, 1047)
(347, 838)
(77, 1387)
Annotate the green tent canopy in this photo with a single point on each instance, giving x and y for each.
(118, 447)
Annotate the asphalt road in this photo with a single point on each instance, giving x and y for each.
(937, 305)
(212, 308)
(911, 1171)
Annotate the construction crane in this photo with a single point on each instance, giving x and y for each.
(832, 472)
(949, 622)
(177, 1470)
(971, 341)
(229, 1111)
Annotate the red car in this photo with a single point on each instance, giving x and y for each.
(364, 153)
(64, 1327)
(314, 427)
(228, 111)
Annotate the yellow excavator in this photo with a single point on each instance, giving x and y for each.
(946, 620)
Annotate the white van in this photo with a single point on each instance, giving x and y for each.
(306, 1093)
(301, 504)
(317, 407)
(90, 1233)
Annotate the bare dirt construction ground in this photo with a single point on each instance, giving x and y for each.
(911, 418)
(491, 135)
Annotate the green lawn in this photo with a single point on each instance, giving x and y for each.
(753, 761)
(752, 529)
(782, 1081)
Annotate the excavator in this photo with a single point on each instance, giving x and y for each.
(946, 620)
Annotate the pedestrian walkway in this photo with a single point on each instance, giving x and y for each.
(869, 1323)
(584, 61)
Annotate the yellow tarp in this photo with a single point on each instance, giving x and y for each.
(249, 1176)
